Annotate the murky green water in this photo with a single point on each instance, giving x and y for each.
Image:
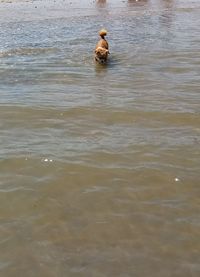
(99, 165)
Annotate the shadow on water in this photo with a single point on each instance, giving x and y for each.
(113, 62)
(101, 69)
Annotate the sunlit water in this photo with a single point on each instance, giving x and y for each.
(100, 165)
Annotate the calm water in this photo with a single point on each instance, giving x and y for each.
(100, 165)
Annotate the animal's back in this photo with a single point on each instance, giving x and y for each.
(102, 43)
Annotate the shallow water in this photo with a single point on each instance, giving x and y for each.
(99, 165)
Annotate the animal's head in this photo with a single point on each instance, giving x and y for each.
(101, 54)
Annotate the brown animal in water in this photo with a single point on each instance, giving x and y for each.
(101, 50)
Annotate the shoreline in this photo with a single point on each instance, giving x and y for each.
(33, 10)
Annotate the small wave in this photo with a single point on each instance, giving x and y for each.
(27, 51)
(15, 189)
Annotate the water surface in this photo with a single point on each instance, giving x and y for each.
(99, 165)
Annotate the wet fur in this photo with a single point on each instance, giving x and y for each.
(101, 50)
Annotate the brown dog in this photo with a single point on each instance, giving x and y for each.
(101, 50)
